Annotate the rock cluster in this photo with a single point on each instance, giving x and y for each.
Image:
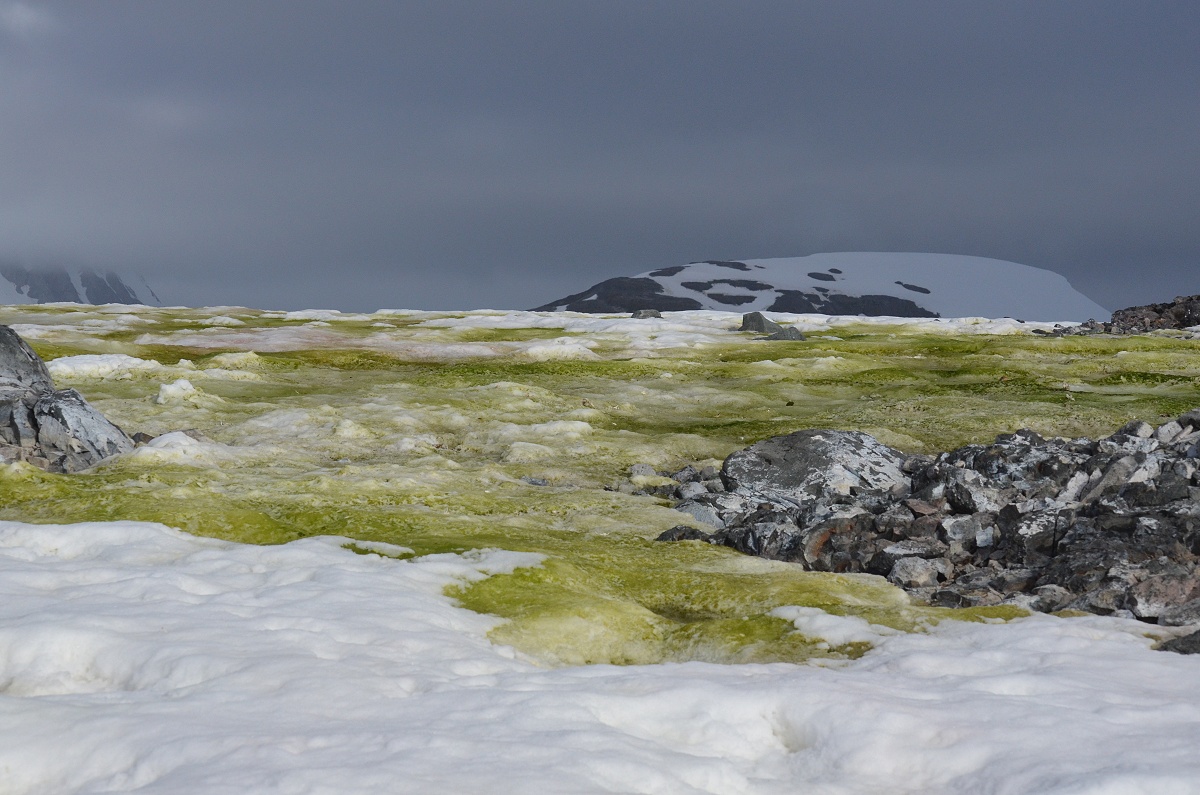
(1109, 526)
(761, 324)
(55, 430)
(1182, 313)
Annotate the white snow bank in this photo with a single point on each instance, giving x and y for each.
(135, 657)
(122, 367)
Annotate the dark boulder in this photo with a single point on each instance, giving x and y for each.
(759, 323)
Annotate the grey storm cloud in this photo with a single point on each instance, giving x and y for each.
(501, 154)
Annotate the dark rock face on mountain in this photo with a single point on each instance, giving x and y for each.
(53, 285)
(1182, 313)
(1108, 526)
(55, 430)
(622, 294)
(799, 302)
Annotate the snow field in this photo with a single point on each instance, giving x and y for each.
(137, 658)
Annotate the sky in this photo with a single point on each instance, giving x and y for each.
(441, 155)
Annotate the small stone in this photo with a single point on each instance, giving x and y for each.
(685, 475)
(683, 532)
(919, 547)
(1180, 615)
(641, 471)
(1048, 598)
(913, 572)
(1188, 644)
(689, 490)
(1137, 428)
(1167, 432)
(705, 514)
(920, 507)
(645, 314)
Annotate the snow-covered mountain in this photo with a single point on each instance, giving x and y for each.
(22, 285)
(848, 283)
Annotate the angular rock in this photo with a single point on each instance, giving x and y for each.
(791, 333)
(21, 370)
(645, 314)
(683, 532)
(914, 573)
(759, 323)
(1188, 644)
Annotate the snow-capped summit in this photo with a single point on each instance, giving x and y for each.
(22, 285)
(848, 283)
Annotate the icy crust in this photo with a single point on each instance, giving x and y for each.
(136, 657)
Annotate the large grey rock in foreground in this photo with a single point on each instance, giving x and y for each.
(55, 430)
(21, 369)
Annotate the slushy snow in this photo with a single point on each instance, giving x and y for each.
(136, 658)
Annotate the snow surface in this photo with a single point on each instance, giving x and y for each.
(134, 657)
(951, 285)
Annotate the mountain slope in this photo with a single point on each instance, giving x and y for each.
(22, 285)
(849, 283)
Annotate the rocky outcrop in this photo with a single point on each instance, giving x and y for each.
(56, 430)
(1108, 526)
(1182, 313)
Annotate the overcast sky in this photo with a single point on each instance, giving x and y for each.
(358, 155)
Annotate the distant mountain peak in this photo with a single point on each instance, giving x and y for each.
(44, 285)
(847, 283)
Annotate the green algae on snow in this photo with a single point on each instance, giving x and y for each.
(428, 454)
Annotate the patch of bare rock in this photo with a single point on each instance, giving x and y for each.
(1179, 315)
(1108, 526)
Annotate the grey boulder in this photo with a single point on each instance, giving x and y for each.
(55, 430)
(759, 323)
(808, 464)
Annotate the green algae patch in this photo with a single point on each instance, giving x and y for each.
(369, 444)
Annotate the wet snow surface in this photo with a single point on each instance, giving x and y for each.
(337, 654)
(136, 658)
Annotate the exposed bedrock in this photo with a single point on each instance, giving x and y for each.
(1108, 526)
(56, 430)
(1182, 313)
